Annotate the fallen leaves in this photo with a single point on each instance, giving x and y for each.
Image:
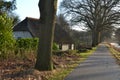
(23, 69)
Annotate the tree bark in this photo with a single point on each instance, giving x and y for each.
(99, 37)
(95, 36)
(44, 57)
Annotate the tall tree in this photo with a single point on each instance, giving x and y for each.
(97, 15)
(47, 20)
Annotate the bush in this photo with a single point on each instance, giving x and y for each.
(55, 46)
(6, 35)
(30, 43)
(27, 43)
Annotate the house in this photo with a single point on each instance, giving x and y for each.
(29, 28)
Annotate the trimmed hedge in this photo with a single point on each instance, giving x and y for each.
(31, 43)
(27, 43)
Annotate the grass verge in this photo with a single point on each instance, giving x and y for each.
(63, 72)
(115, 53)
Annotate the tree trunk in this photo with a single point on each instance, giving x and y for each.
(47, 18)
(95, 36)
(99, 37)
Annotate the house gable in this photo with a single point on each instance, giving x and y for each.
(22, 34)
(22, 26)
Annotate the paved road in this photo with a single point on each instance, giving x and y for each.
(99, 66)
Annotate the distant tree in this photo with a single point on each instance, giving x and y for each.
(117, 35)
(15, 18)
(61, 21)
(6, 34)
(81, 37)
(7, 6)
(77, 36)
(47, 21)
(97, 15)
(107, 34)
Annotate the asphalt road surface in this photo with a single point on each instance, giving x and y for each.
(99, 66)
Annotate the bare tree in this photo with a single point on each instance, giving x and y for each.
(47, 19)
(107, 34)
(97, 15)
(63, 22)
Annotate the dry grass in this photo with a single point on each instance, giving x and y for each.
(115, 51)
(23, 69)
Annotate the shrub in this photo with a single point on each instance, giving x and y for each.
(6, 35)
(27, 43)
(30, 43)
(55, 46)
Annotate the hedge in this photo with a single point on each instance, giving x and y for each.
(30, 43)
(27, 43)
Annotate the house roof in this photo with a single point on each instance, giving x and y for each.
(22, 26)
(28, 24)
(32, 25)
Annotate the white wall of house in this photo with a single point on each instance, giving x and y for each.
(72, 47)
(22, 34)
(65, 47)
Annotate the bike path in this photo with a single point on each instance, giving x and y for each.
(101, 65)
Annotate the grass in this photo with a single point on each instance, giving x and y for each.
(62, 73)
(59, 75)
(115, 53)
(88, 53)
